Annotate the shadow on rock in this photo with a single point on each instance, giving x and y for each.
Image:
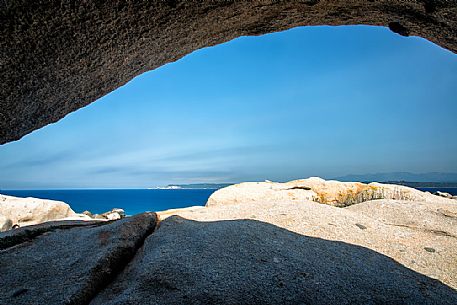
(251, 262)
(67, 262)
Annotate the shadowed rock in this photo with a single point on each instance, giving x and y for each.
(28, 233)
(60, 263)
(251, 262)
(58, 56)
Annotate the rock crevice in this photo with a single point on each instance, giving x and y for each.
(69, 265)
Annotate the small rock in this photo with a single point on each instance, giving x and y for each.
(119, 211)
(114, 214)
(88, 213)
(430, 250)
(362, 227)
(443, 194)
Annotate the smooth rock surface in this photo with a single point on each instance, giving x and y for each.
(59, 56)
(247, 192)
(167, 213)
(30, 211)
(437, 217)
(252, 262)
(67, 262)
(382, 231)
(330, 192)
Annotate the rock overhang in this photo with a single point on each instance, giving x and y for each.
(58, 56)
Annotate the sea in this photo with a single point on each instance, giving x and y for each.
(135, 201)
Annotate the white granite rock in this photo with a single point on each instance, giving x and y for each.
(330, 192)
(30, 211)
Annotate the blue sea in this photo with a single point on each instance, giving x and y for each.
(450, 190)
(132, 201)
(135, 201)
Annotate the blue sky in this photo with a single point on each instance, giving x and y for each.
(313, 101)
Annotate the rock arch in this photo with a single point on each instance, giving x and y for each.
(58, 56)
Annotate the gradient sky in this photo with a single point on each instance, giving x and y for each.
(313, 101)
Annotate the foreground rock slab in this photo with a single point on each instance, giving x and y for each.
(252, 262)
(419, 235)
(67, 262)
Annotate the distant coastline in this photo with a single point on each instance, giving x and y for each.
(193, 186)
(216, 186)
(422, 184)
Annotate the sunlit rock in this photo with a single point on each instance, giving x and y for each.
(30, 211)
(330, 192)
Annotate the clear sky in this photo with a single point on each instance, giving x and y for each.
(314, 101)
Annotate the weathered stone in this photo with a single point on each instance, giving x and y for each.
(58, 56)
(67, 262)
(30, 211)
(247, 192)
(316, 189)
(5, 223)
(114, 214)
(435, 217)
(121, 212)
(252, 262)
(87, 213)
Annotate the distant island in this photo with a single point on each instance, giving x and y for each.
(211, 186)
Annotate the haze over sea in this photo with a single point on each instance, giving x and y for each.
(135, 201)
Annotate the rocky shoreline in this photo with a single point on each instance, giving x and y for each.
(18, 212)
(307, 241)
